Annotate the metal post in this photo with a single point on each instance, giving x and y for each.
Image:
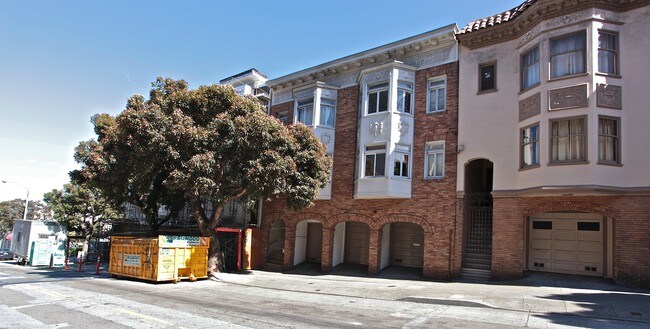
(97, 267)
(80, 259)
(67, 252)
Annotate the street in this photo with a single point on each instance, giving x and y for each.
(53, 298)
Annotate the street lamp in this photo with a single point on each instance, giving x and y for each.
(26, 198)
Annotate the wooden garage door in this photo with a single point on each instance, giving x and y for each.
(357, 239)
(407, 244)
(566, 243)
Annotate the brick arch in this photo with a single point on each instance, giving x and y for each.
(272, 217)
(348, 217)
(294, 220)
(571, 206)
(408, 218)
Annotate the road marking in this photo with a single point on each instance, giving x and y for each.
(105, 306)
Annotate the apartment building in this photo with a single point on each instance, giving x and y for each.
(553, 121)
(388, 117)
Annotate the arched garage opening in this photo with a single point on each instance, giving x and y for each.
(402, 245)
(351, 243)
(309, 242)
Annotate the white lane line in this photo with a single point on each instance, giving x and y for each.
(116, 309)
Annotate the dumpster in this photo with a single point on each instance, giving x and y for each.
(162, 258)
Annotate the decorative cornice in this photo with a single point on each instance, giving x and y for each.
(528, 20)
(572, 190)
(439, 38)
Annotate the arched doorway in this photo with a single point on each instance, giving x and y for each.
(275, 249)
(477, 247)
(309, 242)
(351, 243)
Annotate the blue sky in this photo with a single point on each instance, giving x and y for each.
(63, 61)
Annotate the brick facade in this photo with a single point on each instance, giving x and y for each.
(631, 245)
(432, 205)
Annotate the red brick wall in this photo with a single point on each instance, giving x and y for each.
(432, 204)
(284, 107)
(630, 214)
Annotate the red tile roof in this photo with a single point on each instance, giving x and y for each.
(503, 17)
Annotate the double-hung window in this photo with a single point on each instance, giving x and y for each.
(305, 111)
(404, 97)
(609, 141)
(375, 161)
(530, 68)
(568, 140)
(435, 159)
(487, 80)
(327, 112)
(436, 95)
(530, 146)
(568, 55)
(401, 163)
(607, 52)
(378, 98)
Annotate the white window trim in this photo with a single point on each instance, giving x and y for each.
(367, 100)
(409, 90)
(426, 158)
(378, 151)
(429, 81)
(320, 106)
(405, 150)
(313, 110)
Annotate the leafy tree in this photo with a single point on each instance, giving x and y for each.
(83, 209)
(207, 145)
(14, 209)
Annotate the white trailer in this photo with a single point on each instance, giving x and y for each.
(48, 237)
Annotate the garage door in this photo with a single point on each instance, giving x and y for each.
(357, 239)
(407, 244)
(566, 243)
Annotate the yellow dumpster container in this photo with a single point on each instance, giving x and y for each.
(162, 258)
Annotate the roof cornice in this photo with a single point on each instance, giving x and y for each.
(432, 39)
(503, 28)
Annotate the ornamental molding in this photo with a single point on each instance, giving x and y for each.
(565, 20)
(405, 75)
(530, 107)
(328, 93)
(432, 58)
(377, 76)
(305, 93)
(403, 128)
(376, 128)
(326, 138)
(282, 96)
(568, 98)
(610, 96)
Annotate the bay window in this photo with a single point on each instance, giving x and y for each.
(305, 111)
(404, 97)
(609, 147)
(568, 140)
(327, 112)
(375, 157)
(530, 69)
(529, 146)
(568, 54)
(401, 161)
(608, 52)
(378, 98)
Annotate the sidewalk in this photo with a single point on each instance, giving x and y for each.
(549, 296)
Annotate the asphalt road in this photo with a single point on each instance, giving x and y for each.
(33, 298)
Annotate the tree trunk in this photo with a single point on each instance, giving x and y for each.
(84, 249)
(207, 228)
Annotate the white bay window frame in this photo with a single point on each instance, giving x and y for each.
(305, 111)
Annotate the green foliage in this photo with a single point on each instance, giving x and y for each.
(187, 146)
(83, 209)
(14, 209)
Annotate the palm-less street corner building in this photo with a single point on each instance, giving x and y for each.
(514, 144)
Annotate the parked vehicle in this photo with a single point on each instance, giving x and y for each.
(36, 242)
(5, 254)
